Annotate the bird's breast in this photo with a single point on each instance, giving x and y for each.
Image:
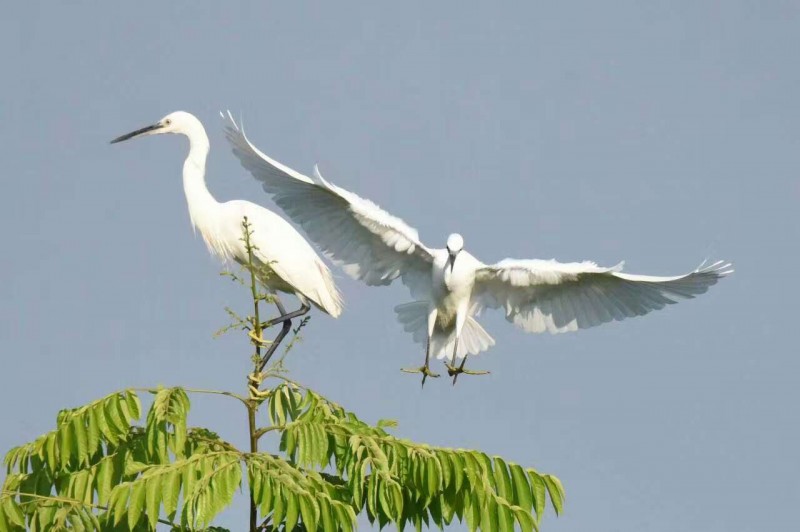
(452, 287)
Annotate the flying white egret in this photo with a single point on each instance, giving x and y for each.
(291, 264)
(451, 286)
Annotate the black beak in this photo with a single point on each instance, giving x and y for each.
(136, 133)
(451, 260)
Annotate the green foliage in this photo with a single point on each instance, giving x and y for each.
(100, 470)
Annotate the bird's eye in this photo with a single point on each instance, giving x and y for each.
(167, 121)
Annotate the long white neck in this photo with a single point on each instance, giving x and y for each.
(201, 202)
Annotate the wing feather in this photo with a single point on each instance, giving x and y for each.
(367, 242)
(540, 295)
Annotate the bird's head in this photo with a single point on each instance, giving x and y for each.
(179, 122)
(455, 243)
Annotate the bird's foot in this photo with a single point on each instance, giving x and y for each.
(258, 340)
(253, 383)
(425, 370)
(454, 371)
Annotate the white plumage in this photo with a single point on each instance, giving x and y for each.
(451, 286)
(295, 266)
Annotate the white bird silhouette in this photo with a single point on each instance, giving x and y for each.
(450, 286)
(291, 263)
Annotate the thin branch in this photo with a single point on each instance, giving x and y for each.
(302, 387)
(260, 432)
(253, 286)
(198, 390)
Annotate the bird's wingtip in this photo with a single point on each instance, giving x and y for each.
(720, 268)
(227, 116)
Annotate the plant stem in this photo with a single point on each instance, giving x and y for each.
(196, 390)
(252, 406)
(251, 421)
(253, 287)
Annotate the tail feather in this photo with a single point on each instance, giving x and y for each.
(473, 340)
(327, 298)
(414, 318)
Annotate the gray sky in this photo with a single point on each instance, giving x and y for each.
(574, 130)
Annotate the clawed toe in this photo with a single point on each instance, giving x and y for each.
(425, 370)
(453, 370)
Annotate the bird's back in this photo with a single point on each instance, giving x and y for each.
(285, 250)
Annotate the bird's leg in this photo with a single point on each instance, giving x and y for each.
(452, 370)
(304, 308)
(426, 370)
(287, 326)
(286, 318)
(457, 371)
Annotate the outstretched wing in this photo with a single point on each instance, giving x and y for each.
(541, 295)
(369, 243)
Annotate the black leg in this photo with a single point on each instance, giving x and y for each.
(460, 369)
(425, 369)
(286, 318)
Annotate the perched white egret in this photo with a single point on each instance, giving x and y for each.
(451, 286)
(291, 264)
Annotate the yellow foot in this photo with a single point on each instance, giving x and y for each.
(425, 370)
(455, 371)
(253, 382)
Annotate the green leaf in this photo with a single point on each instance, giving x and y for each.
(539, 493)
(458, 469)
(102, 423)
(13, 512)
(505, 519)
(386, 423)
(309, 514)
(171, 491)
(327, 518)
(105, 472)
(136, 503)
(522, 489)
(50, 450)
(153, 499)
(134, 406)
(473, 513)
(93, 433)
(525, 520)
(116, 424)
(119, 502)
(65, 445)
(81, 443)
(279, 506)
(502, 479)
(556, 493)
(189, 474)
(489, 518)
